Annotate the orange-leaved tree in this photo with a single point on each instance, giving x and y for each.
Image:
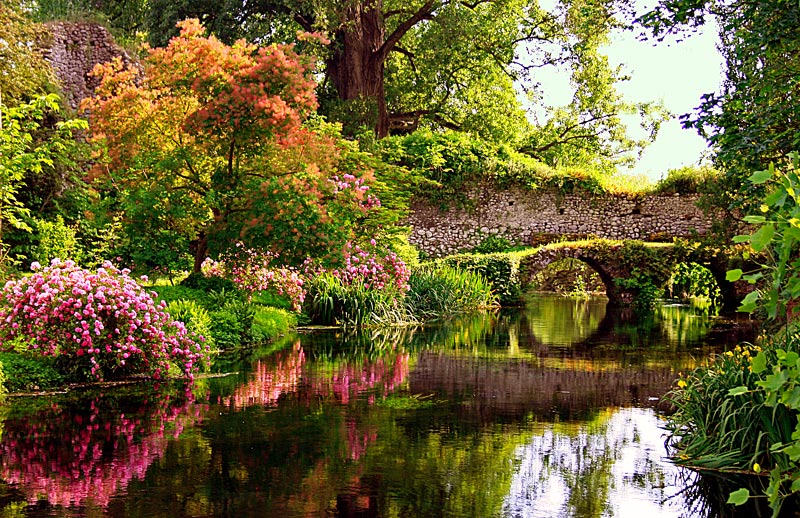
(208, 144)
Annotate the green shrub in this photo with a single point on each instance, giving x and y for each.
(438, 291)
(688, 180)
(269, 323)
(170, 293)
(331, 302)
(227, 331)
(501, 271)
(55, 240)
(493, 244)
(24, 373)
(194, 316)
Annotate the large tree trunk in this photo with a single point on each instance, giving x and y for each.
(356, 64)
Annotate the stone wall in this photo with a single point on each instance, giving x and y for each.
(73, 49)
(523, 216)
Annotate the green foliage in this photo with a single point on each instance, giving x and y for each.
(331, 302)
(56, 240)
(270, 323)
(493, 244)
(501, 271)
(25, 373)
(688, 180)
(198, 281)
(716, 425)
(22, 153)
(451, 160)
(776, 239)
(441, 290)
(764, 388)
(25, 72)
(693, 280)
(194, 316)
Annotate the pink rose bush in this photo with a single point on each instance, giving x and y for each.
(373, 268)
(103, 321)
(252, 271)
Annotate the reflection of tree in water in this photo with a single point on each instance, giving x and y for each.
(81, 453)
(595, 469)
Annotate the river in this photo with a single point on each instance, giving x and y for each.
(552, 410)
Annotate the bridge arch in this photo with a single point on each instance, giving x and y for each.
(607, 270)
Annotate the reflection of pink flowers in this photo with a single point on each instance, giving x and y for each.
(354, 379)
(74, 459)
(359, 440)
(270, 378)
(282, 374)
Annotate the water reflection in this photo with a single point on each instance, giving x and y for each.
(611, 466)
(82, 452)
(489, 415)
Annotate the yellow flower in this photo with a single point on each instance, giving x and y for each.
(757, 467)
(682, 384)
(728, 353)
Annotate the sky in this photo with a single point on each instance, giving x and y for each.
(675, 73)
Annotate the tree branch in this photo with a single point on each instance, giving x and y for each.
(392, 40)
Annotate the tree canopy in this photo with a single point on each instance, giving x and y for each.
(23, 72)
(210, 148)
(398, 65)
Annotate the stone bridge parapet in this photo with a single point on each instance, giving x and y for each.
(522, 216)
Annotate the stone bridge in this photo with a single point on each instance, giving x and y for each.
(625, 267)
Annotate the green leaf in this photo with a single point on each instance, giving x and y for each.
(755, 220)
(752, 278)
(737, 391)
(759, 363)
(762, 237)
(739, 496)
(760, 177)
(777, 198)
(733, 275)
(741, 238)
(793, 451)
(774, 382)
(749, 302)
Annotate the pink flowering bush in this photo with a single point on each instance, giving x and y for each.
(368, 289)
(252, 271)
(379, 270)
(102, 324)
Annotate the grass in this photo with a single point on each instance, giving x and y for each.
(442, 290)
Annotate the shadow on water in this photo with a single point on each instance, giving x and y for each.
(551, 411)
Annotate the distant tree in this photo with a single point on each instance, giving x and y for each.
(209, 147)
